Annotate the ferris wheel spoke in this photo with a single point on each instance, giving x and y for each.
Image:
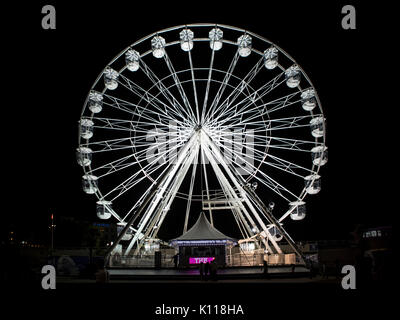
(210, 70)
(279, 162)
(237, 115)
(165, 148)
(286, 166)
(118, 165)
(292, 144)
(281, 103)
(127, 143)
(291, 120)
(112, 165)
(128, 185)
(278, 104)
(179, 85)
(236, 152)
(194, 85)
(292, 125)
(146, 96)
(244, 84)
(257, 95)
(284, 123)
(133, 180)
(279, 123)
(153, 116)
(167, 94)
(223, 85)
(148, 169)
(233, 116)
(111, 145)
(189, 202)
(116, 124)
(250, 169)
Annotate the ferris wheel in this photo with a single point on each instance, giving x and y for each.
(208, 115)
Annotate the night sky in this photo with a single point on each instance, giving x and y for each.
(47, 74)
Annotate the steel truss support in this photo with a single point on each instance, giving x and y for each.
(157, 191)
(216, 157)
(161, 212)
(248, 194)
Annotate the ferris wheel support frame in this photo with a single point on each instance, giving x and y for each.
(226, 185)
(219, 157)
(166, 177)
(245, 190)
(162, 188)
(163, 207)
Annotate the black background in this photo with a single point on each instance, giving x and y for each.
(47, 74)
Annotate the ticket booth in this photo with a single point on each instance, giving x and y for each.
(201, 244)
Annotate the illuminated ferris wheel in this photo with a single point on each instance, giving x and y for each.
(202, 115)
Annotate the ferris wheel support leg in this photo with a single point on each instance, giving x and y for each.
(227, 185)
(183, 154)
(161, 218)
(171, 197)
(167, 199)
(227, 188)
(203, 163)
(238, 185)
(230, 193)
(164, 180)
(189, 202)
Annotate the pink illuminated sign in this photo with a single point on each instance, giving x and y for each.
(198, 260)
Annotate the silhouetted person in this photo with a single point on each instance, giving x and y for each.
(206, 270)
(201, 270)
(324, 271)
(367, 269)
(265, 269)
(293, 267)
(101, 275)
(311, 269)
(176, 257)
(213, 270)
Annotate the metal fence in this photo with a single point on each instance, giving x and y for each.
(232, 260)
(244, 260)
(141, 261)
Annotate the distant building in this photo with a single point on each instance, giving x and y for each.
(376, 238)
